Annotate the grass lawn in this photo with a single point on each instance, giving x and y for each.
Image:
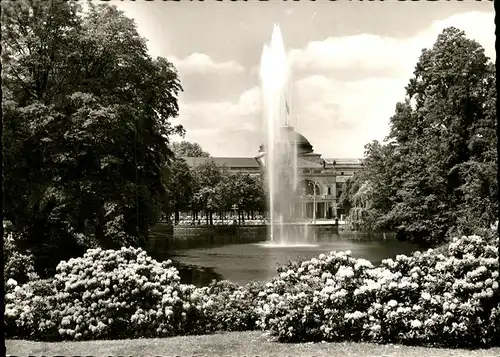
(226, 344)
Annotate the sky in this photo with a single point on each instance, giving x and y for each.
(350, 63)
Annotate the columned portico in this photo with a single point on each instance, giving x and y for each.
(320, 181)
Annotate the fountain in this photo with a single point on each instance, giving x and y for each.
(252, 254)
(281, 148)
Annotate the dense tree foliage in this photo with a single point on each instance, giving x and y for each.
(86, 116)
(436, 172)
(206, 190)
(207, 177)
(187, 149)
(180, 186)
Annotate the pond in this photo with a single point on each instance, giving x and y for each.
(241, 255)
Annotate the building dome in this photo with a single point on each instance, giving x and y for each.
(294, 138)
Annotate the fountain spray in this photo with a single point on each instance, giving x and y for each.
(281, 149)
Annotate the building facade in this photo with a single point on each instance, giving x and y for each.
(320, 180)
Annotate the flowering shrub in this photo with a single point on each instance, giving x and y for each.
(26, 306)
(17, 265)
(230, 307)
(428, 298)
(106, 294)
(316, 299)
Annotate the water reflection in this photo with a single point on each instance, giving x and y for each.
(238, 254)
(199, 276)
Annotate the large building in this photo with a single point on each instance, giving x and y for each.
(320, 180)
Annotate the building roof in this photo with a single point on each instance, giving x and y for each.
(238, 162)
(252, 163)
(306, 164)
(303, 145)
(341, 161)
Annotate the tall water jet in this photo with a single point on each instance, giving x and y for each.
(281, 151)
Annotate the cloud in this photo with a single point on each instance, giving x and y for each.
(372, 53)
(365, 51)
(224, 113)
(345, 90)
(201, 63)
(339, 118)
(216, 124)
(339, 114)
(479, 26)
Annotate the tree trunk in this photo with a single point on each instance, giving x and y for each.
(176, 219)
(211, 219)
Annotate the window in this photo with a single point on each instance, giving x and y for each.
(342, 173)
(317, 171)
(329, 190)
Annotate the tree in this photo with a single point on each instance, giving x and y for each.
(180, 187)
(86, 125)
(206, 178)
(480, 186)
(222, 191)
(436, 167)
(451, 87)
(369, 195)
(250, 195)
(216, 190)
(347, 199)
(188, 149)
